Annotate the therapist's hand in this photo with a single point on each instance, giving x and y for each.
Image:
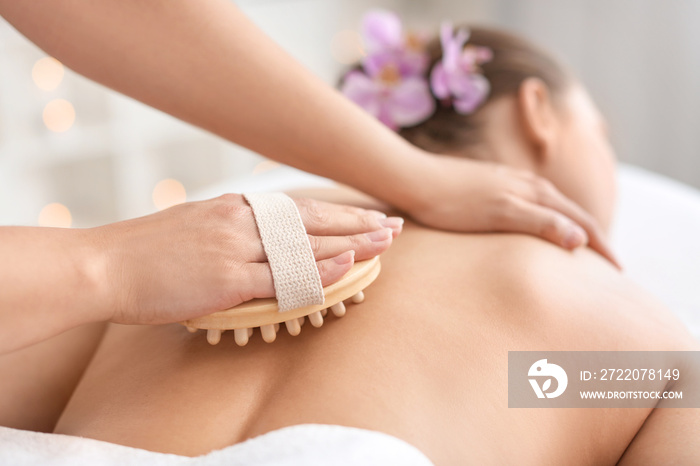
(201, 257)
(467, 195)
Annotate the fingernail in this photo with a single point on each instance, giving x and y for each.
(575, 237)
(345, 258)
(379, 235)
(394, 223)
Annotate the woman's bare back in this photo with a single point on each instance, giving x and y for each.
(423, 359)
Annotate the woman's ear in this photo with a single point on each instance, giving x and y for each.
(539, 118)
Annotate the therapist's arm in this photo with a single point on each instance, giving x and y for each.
(204, 62)
(149, 270)
(51, 280)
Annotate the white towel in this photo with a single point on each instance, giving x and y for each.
(304, 444)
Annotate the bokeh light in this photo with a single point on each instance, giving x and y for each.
(264, 166)
(346, 47)
(47, 73)
(55, 215)
(168, 193)
(59, 115)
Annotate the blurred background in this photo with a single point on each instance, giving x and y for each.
(74, 153)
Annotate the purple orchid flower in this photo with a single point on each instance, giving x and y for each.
(386, 45)
(397, 102)
(393, 86)
(457, 76)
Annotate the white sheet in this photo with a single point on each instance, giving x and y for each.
(301, 445)
(657, 236)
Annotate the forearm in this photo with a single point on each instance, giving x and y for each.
(206, 63)
(49, 283)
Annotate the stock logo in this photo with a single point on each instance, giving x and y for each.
(544, 371)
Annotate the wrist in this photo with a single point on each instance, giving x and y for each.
(93, 264)
(409, 189)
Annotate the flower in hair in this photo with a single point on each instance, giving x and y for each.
(392, 84)
(395, 101)
(457, 79)
(386, 44)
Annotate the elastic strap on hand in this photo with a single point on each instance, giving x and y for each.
(294, 272)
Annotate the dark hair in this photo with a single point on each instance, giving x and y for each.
(514, 60)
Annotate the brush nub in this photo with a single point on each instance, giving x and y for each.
(316, 319)
(358, 298)
(213, 336)
(338, 309)
(241, 336)
(268, 333)
(293, 327)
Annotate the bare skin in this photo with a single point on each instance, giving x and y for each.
(423, 359)
(39, 380)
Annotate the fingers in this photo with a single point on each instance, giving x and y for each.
(552, 226)
(545, 223)
(332, 270)
(258, 276)
(333, 229)
(326, 219)
(552, 198)
(365, 245)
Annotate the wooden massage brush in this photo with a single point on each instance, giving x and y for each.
(298, 289)
(264, 313)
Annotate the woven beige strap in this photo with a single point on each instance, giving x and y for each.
(294, 272)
